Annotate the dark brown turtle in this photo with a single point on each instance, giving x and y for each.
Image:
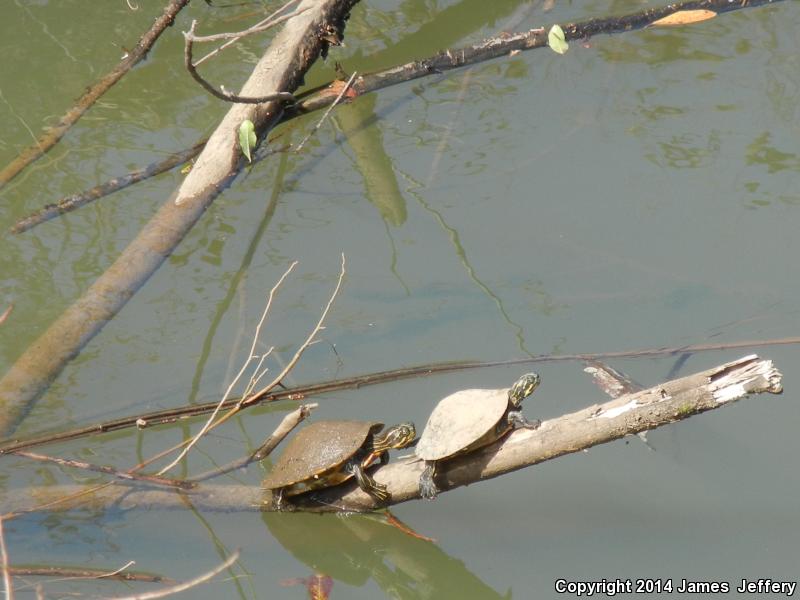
(468, 420)
(327, 453)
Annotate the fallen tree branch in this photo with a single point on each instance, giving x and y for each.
(283, 66)
(222, 94)
(51, 136)
(121, 574)
(79, 464)
(171, 415)
(505, 44)
(322, 96)
(629, 414)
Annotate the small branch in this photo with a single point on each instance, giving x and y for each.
(242, 34)
(186, 585)
(68, 573)
(248, 401)
(222, 94)
(9, 587)
(284, 428)
(264, 25)
(106, 470)
(53, 134)
(327, 112)
(75, 201)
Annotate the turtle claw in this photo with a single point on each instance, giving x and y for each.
(517, 419)
(377, 491)
(427, 487)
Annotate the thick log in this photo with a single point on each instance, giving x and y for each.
(629, 414)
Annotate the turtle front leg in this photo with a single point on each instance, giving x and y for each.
(365, 481)
(279, 501)
(517, 419)
(427, 486)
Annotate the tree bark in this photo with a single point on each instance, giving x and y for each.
(629, 414)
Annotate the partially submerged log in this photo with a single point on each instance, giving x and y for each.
(629, 414)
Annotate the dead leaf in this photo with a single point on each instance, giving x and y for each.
(684, 17)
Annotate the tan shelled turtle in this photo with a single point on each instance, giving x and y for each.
(468, 420)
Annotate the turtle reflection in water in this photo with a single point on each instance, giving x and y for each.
(327, 453)
(468, 420)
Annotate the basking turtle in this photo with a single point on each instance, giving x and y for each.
(468, 420)
(327, 453)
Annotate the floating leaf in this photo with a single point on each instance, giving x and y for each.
(684, 17)
(557, 40)
(247, 137)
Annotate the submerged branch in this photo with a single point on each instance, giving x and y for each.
(53, 134)
(629, 414)
(76, 201)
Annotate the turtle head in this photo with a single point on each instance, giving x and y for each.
(398, 436)
(522, 388)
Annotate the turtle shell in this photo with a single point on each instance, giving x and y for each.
(460, 420)
(319, 449)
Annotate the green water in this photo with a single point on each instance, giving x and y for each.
(640, 191)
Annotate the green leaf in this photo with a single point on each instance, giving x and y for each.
(247, 137)
(557, 40)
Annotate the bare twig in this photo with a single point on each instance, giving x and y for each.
(51, 136)
(267, 23)
(290, 365)
(186, 585)
(247, 362)
(107, 470)
(70, 574)
(222, 94)
(242, 34)
(4, 563)
(327, 112)
(246, 401)
(284, 428)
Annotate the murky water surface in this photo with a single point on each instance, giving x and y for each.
(640, 191)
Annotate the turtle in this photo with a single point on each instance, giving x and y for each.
(468, 420)
(327, 453)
